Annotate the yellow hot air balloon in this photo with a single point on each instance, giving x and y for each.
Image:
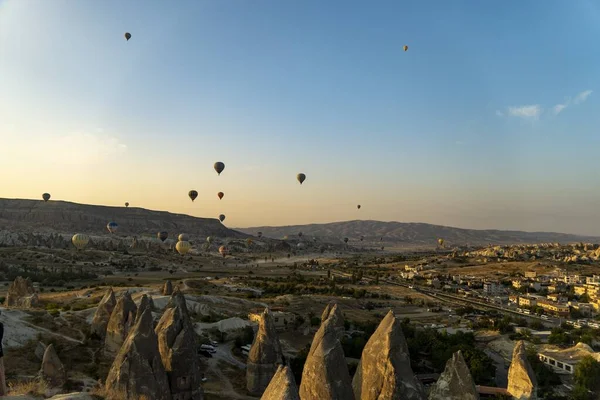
(183, 247)
(80, 240)
(405, 47)
(441, 242)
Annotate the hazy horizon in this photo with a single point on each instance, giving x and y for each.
(487, 122)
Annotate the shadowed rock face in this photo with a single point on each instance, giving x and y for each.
(325, 375)
(144, 304)
(384, 371)
(522, 384)
(282, 386)
(167, 289)
(138, 370)
(21, 294)
(52, 370)
(103, 313)
(455, 383)
(119, 324)
(264, 356)
(177, 347)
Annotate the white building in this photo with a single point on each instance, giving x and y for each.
(492, 288)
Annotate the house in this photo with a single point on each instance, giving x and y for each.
(562, 310)
(527, 301)
(282, 320)
(492, 288)
(530, 274)
(557, 298)
(565, 360)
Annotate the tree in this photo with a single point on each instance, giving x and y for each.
(587, 374)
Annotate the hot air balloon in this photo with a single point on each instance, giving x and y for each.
(300, 245)
(222, 217)
(183, 237)
(358, 206)
(80, 240)
(299, 234)
(112, 227)
(361, 238)
(162, 235)
(46, 196)
(209, 239)
(249, 242)
(301, 178)
(405, 47)
(193, 194)
(127, 36)
(259, 234)
(126, 204)
(219, 167)
(220, 194)
(345, 240)
(183, 247)
(223, 251)
(441, 242)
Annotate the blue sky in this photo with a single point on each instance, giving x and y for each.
(487, 121)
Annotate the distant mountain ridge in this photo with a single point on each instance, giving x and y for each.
(21, 215)
(402, 233)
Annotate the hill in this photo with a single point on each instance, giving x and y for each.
(413, 234)
(19, 215)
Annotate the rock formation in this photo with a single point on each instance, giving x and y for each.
(21, 294)
(522, 384)
(119, 324)
(456, 382)
(144, 304)
(332, 311)
(103, 313)
(177, 347)
(282, 386)
(384, 371)
(52, 370)
(152, 306)
(167, 289)
(325, 375)
(40, 349)
(264, 356)
(138, 371)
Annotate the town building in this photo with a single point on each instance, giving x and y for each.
(565, 360)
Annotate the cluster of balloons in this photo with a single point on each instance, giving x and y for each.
(81, 240)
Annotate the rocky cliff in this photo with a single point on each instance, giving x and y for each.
(522, 384)
(456, 382)
(333, 311)
(21, 294)
(384, 371)
(177, 347)
(119, 324)
(325, 375)
(103, 313)
(282, 386)
(264, 357)
(52, 370)
(137, 371)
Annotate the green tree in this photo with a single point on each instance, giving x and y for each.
(587, 374)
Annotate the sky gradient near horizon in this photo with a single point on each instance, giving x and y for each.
(489, 120)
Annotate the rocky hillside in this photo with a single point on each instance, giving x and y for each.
(18, 215)
(400, 233)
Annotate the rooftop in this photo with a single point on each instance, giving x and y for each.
(571, 355)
